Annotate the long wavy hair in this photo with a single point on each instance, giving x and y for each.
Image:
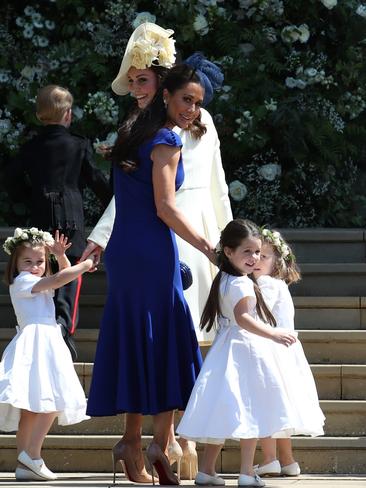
(142, 125)
(232, 236)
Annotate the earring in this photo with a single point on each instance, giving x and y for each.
(165, 103)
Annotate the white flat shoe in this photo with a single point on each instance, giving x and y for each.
(270, 469)
(204, 479)
(246, 480)
(291, 470)
(37, 466)
(24, 474)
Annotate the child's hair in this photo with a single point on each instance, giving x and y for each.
(52, 102)
(232, 236)
(24, 238)
(284, 266)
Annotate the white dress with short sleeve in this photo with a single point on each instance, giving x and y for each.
(278, 299)
(36, 370)
(249, 386)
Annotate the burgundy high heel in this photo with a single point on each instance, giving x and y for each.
(160, 462)
(124, 453)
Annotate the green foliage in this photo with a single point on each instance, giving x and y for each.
(291, 115)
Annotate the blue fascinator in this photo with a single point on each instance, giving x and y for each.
(209, 74)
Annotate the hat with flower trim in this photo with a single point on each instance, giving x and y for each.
(148, 45)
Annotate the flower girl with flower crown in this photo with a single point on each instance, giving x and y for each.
(38, 381)
(276, 270)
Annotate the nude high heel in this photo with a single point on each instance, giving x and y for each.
(123, 452)
(189, 464)
(175, 455)
(160, 462)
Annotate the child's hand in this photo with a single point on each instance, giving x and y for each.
(283, 336)
(60, 245)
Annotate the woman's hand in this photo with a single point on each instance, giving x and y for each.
(93, 251)
(283, 336)
(60, 245)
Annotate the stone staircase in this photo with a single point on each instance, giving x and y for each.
(331, 319)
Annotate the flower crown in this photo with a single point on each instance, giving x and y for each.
(33, 235)
(153, 49)
(275, 239)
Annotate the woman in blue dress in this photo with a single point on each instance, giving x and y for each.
(147, 355)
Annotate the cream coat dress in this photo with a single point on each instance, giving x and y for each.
(204, 200)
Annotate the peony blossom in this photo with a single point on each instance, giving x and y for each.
(237, 190)
(270, 171)
(329, 3)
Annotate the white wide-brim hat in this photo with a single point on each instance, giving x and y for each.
(148, 45)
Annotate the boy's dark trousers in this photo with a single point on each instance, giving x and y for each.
(67, 309)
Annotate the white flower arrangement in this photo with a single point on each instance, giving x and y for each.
(32, 235)
(151, 49)
(275, 239)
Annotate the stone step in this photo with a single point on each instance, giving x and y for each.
(92, 453)
(320, 346)
(311, 312)
(343, 418)
(309, 245)
(318, 279)
(327, 245)
(331, 279)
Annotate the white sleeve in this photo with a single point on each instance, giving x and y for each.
(241, 288)
(102, 231)
(269, 289)
(218, 187)
(23, 285)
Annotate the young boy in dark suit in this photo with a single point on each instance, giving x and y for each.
(58, 164)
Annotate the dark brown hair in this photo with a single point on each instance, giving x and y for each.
(143, 125)
(11, 271)
(232, 236)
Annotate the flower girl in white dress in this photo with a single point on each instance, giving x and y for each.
(274, 272)
(246, 389)
(38, 381)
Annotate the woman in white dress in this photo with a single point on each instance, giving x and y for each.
(203, 197)
(248, 386)
(38, 382)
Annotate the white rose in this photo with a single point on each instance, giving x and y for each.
(277, 243)
(33, 230)
(285, 251)
(265, 232)
(24, 235)
(143, 17)
(276, 234)
(329, 3)
(361, 10)
(290, 82)
(269, 171)
(200, 24)
(304, 33)
(18, 232)
(237, 190)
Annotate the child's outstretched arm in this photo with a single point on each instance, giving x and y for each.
(246, 321)
(63, 277)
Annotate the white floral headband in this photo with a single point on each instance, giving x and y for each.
(275, 239)
(32, 235)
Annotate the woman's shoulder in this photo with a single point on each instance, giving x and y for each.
(168, 137)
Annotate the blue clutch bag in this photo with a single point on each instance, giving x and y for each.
(186, 274)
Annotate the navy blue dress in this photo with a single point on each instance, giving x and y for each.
(147, 357)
